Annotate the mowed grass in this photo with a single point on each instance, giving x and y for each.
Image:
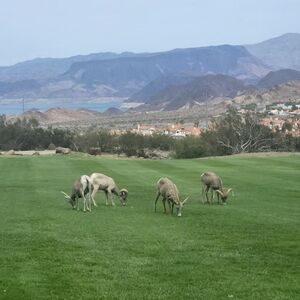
(248, 249)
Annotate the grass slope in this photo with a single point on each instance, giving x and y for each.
(248, 249)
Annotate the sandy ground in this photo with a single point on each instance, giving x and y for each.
(255, 154)
(30, 152)
(116, 156)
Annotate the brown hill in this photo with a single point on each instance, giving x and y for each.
(57, 115)
(279, 93)
(201, 89)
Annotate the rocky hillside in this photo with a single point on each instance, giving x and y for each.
(282, 52)
(57, 115)
(279, 93)
(210, 87)
(201, 89)
(50, 68)
(159, 84)
(141, 77)
(130, 74)
(278, 77)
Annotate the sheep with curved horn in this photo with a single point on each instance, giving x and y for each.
(168, 190)
(213, 182)
(81, 187)
(107, 184)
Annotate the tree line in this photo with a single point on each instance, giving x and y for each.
(231, 133)
(28, 135)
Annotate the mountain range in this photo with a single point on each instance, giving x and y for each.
(278, 77)
(162, 80)
(195, 92)
(282, 52)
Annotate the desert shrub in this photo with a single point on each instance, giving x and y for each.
(189, 147)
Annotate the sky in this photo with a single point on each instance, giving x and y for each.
(62, 28)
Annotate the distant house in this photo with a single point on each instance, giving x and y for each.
(282, 109)
(179, 134)
(194, 131)
(273, 123)
(296, 112)
(117, 131)
(276, 123)
(174, 130)
(179, 131)
(276, 111)
(145, 130)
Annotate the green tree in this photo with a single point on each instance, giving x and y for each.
(189, 147)
(287, 126)
(238, 133)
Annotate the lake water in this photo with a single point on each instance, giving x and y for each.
(15, 106)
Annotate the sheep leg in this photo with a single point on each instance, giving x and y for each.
(203, 190)
(111, 199)
(172, 208)
(164, 203)
(89, 194)
(218, 197)
(90, 201)
(85, 203)
(106, 197)
(158, 194)
(206, 194)
(77, 203)
(94, 193)
(211, 196)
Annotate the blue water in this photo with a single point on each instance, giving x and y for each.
(15, 107)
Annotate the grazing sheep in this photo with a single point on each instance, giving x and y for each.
(211, 181)
(168, 190)
(107, 184)
(81, 187)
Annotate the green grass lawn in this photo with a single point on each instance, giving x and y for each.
(248, 249)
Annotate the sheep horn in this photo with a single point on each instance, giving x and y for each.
(228, 191)
(66, 195)
(219, 192)
(123, 191)
(183, 202)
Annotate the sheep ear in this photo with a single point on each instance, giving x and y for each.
(186, 199)
(66, 195)
(220, 193)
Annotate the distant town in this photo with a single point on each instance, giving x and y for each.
(278, 117)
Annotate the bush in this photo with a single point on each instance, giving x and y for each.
(231, 133)
(190, 147)
(26, 135)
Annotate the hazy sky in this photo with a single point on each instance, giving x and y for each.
(60, 28)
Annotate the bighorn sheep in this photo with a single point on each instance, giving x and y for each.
(168, 190)
(107, 184)
(81, 187)
(211, 181)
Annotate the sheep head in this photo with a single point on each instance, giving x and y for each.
(224, 194)
(123, 193)
(179, 206)
(71, 199)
